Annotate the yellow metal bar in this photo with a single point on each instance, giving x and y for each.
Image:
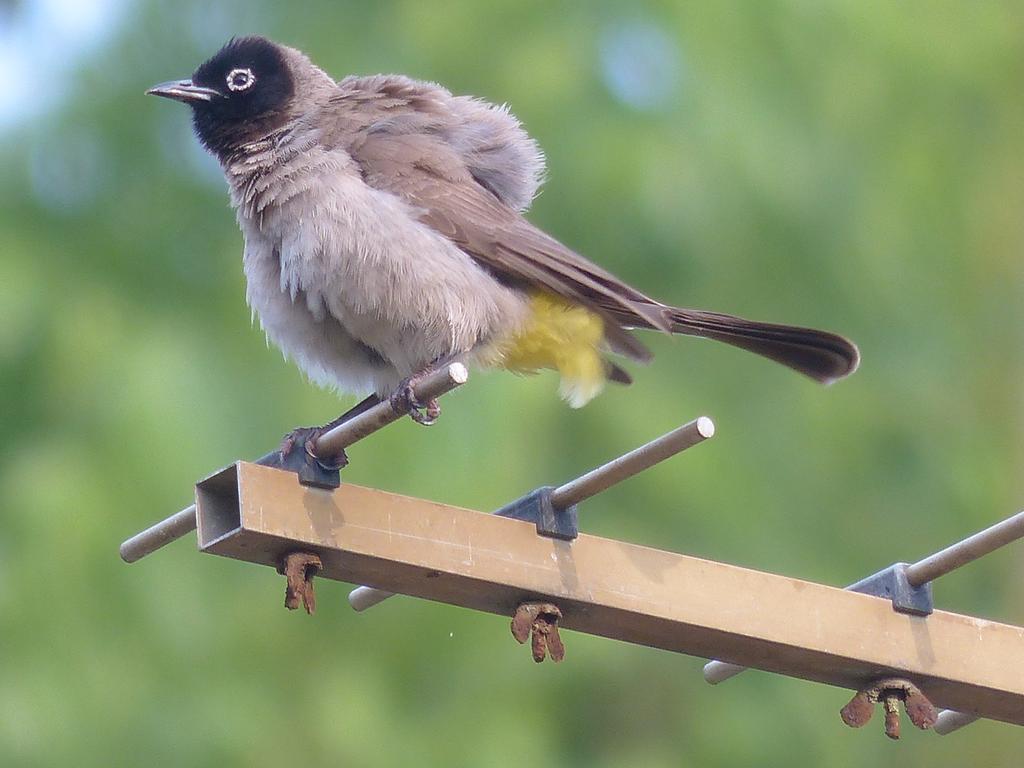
(592, 483)
(614, 589)
(923, 571)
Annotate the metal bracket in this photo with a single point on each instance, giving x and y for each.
(892, 583)
(311, 470)
(537, 507)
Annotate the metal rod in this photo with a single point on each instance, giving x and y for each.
(330, 443)
(159, 535)
(716, 672)
(592, 483)
(921, 572)
(950, 720)
(966, 551)
(362, 598)
(431, 386)
(632, 463)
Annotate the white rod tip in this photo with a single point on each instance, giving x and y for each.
(716, 672)
(458, 373)
(950, 720)
(362, 598)
(705, 427)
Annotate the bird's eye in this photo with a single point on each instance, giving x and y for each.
(240, 79)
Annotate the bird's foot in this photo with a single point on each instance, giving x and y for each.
(304, 438)
(404, 400)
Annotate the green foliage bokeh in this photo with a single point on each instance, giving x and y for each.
(849, 165)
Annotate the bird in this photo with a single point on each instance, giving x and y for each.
(385, 234)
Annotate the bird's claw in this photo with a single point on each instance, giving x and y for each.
(404, 400)
(429, 413)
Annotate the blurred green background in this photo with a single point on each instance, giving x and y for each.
(852, 165)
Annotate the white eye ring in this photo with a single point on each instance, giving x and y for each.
(240, 79)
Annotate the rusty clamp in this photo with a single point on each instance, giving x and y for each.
(890, 692)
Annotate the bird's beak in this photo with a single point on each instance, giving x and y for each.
(183, 90)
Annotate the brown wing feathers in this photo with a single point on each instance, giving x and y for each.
(430, 175)
(425, 173)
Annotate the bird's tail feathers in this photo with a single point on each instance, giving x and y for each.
(823, 356)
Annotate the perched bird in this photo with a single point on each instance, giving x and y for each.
(384, 234)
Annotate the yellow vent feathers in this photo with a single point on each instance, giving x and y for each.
(560, 336)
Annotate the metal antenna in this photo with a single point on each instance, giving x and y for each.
(592, 483)
(332, 442)
(918, 575)
(602, 586)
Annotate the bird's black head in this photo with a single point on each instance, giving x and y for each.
(239, 94)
